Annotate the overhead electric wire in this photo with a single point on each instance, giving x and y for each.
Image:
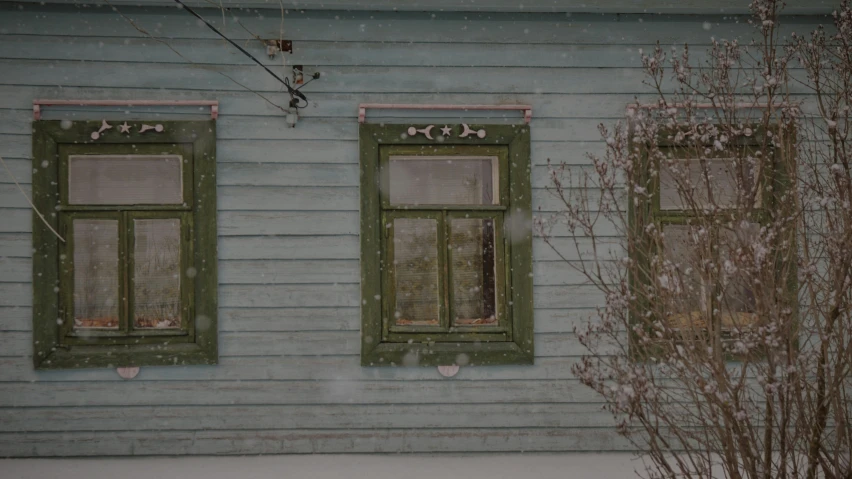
(291, 90)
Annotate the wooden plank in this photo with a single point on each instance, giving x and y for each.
(21, 168)
(290, 368)
(574, 296)
(12, 198)
(231, 127)
(346, 343)
(606, 6)
(15, 270)
(14, 245)
(335, 79)
(143, 443)
(267, 198)
(283, 272)
(551, 273)
(286, 151)
(346, 247)
(310, 174)
(254, 198)
(303, 343)
(328, 104)
(334, 150)
(547, 320)
(288, 247)
(16, 294)
(314, 54)
(16, 146)
(342, 391)
(297, 223)
(297, 295)
(346, 295)
(455, 416)
(515, 27)
(251, 223)
(287, 174)
(16, 318)
(294, 198)
(339, 151)
(289, 319)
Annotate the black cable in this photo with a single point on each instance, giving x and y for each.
(292, 91)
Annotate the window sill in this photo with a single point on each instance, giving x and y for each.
(80, 357)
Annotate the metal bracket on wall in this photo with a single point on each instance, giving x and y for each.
(275, 46)
(362, 108)
(38, 104)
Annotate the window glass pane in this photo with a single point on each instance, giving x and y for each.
(691, 175)
(459, 180)
(680, 277)
(124, 179)
(473, 271)
(738, 303)
(415, 246)
(156, 273)
(95, 274)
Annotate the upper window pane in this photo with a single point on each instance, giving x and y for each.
(124, 179)
(693, 175)
(443, 180)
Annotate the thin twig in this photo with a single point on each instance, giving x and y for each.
(6, 167)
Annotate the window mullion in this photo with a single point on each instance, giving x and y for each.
(125, 262)
(444, 268)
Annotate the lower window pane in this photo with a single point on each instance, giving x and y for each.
(738, 302)
(95, 274)
(680, 279)
(473, 271)
(156, 273)
(415, 263)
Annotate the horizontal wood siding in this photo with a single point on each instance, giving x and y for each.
(289, 379)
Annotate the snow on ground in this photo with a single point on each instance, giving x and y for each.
(408, 466)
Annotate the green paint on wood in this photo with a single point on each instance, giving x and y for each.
(56, 344)
(510, 341)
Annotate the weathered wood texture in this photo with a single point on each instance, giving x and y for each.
(289, 378)
(564, 6)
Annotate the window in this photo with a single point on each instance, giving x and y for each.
(446, 257)
(133, 280)
(708, 205)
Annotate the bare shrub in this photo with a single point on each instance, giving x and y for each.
(722, 346)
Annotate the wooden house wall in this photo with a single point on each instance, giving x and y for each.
(289, 379)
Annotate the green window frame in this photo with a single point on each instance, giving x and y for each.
(193, 338)
(645, 210)
(510, 339)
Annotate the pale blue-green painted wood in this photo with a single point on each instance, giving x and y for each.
(307, 417)
(289, 378)
(565, 6)
(509, 28)
(303, 343)
(275, 441)
(296, 319)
